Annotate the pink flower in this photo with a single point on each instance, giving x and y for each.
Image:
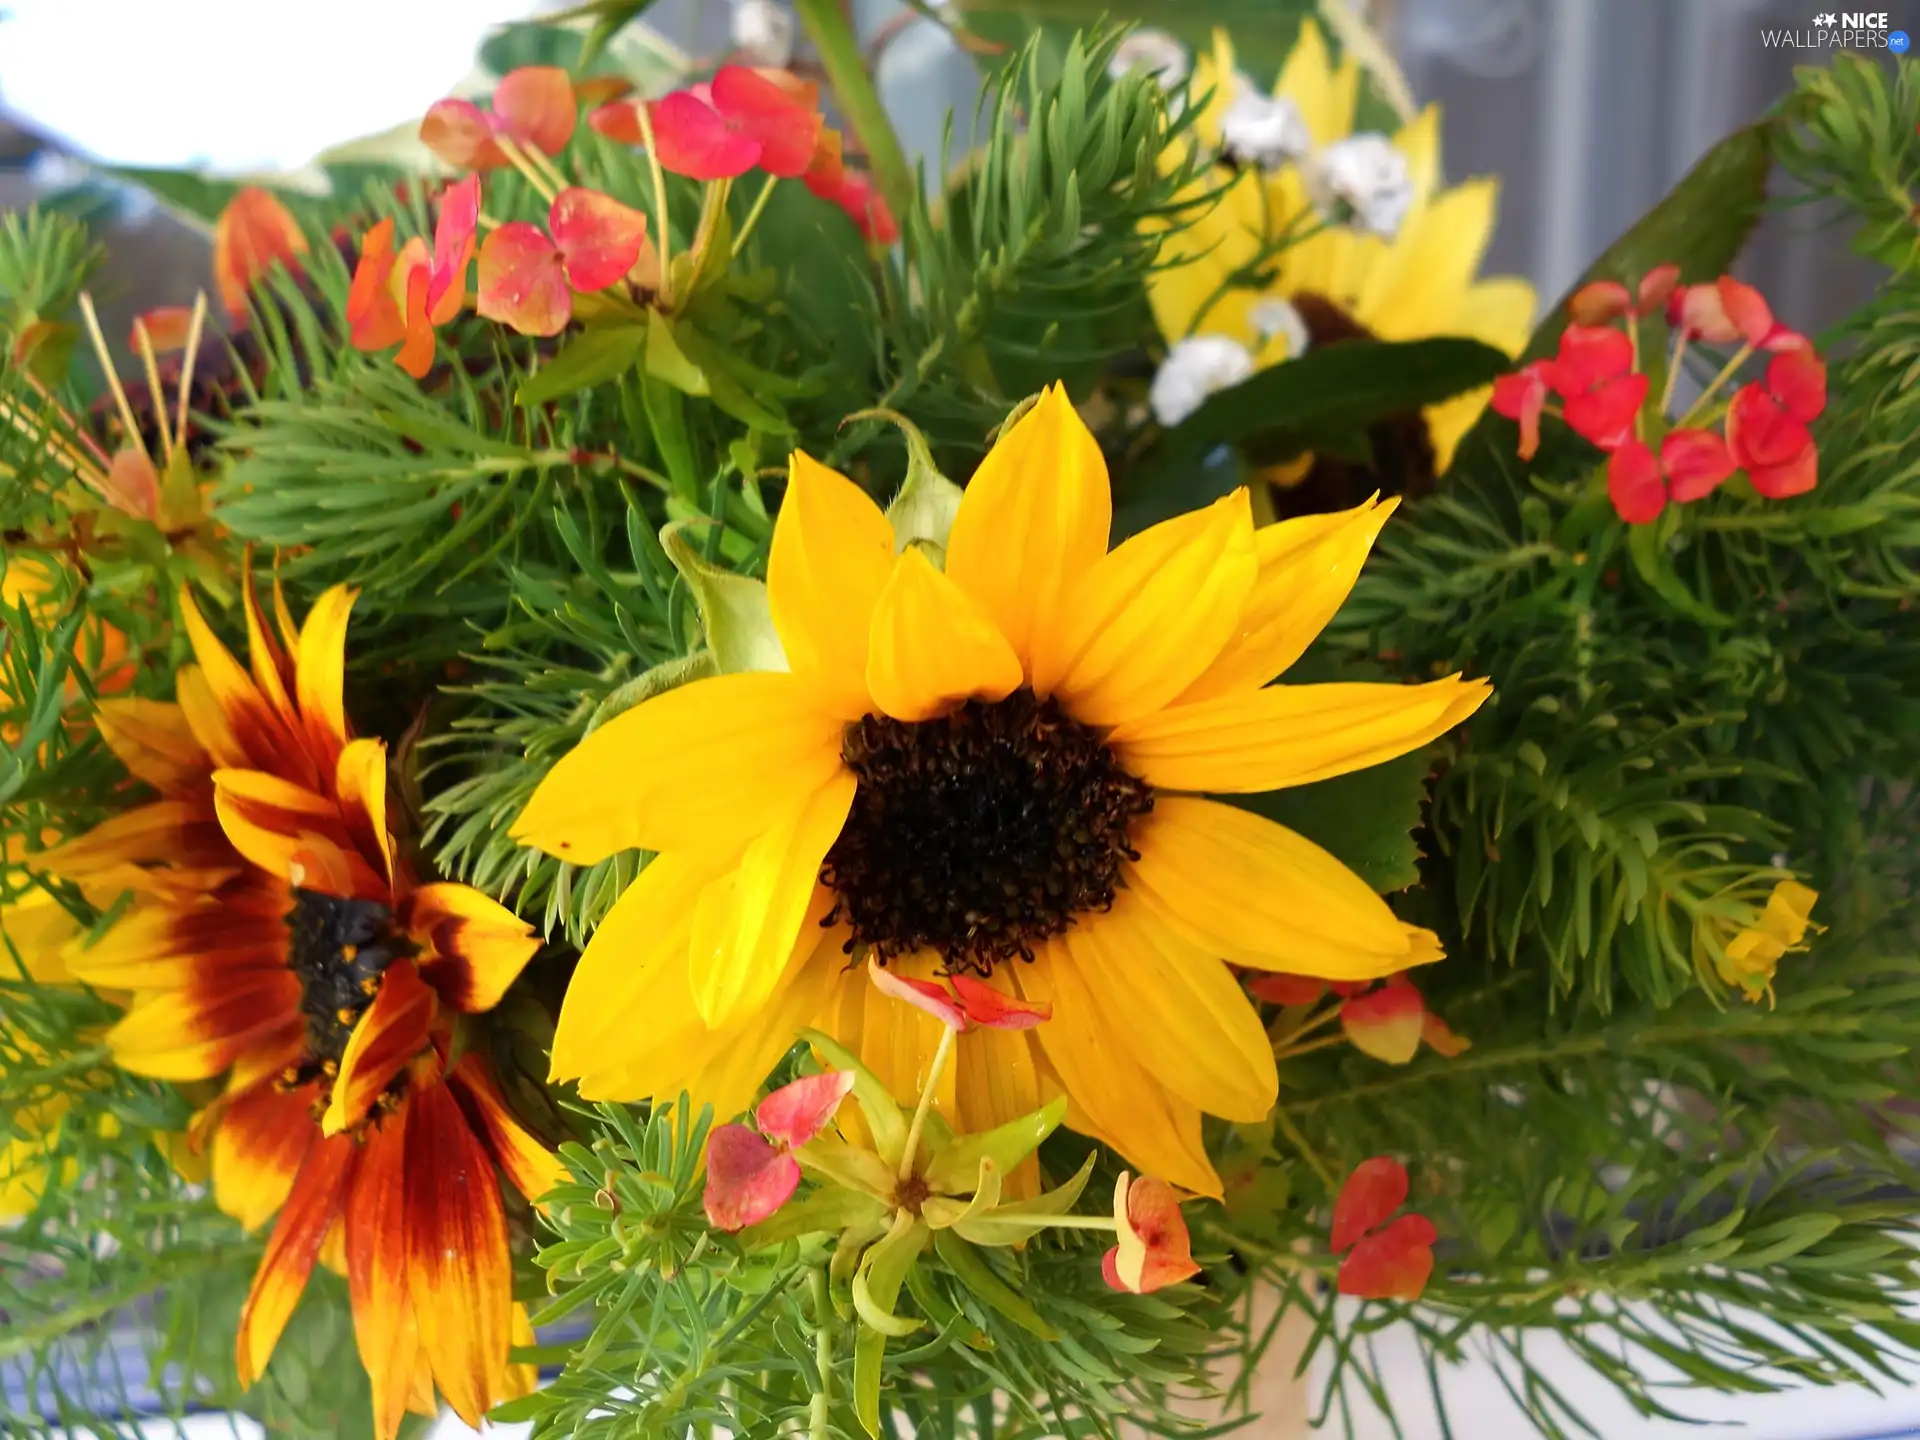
(750, 1174)
(718, 131)
(528, 278)
(534, 106)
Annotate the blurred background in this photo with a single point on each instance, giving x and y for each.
(1587, 110)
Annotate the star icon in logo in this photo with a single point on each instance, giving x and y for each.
(1826, 20)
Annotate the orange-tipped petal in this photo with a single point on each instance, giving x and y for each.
(747, 1179)
(459, 133)
(132, 486)
(1598, 302)
(1385, 1023)
(995, 1009)
(374, 318)
(416, 354)
(473, 946)
(784, 125)
(868, 210)
(619, 121)
(1153, 1249)
(253, 234)
(691, 138)
(388, 1035)
(384, 1326)
(1440, 1038)
(935, 999)
(523, 283)
(796, 1112)
(1393, 1265)
(318, 1193)
(166, 327)
(1374, 1190)
(599, 238)
(459, 1272)
(453, 249)
(536, 106)
(533, 1169)
(1279, 989)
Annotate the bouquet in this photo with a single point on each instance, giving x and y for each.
(669, 775)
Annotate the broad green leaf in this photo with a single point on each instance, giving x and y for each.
(667, 361)
(1365, 819)
(592, 358)
(954, 1166)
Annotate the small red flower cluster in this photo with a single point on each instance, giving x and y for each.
(743, 119)
(1602, 394)
(1384, 1261)
(751, 1171)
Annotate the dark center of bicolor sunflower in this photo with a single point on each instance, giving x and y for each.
(340, 950)
(980, 833)
(1403, 460)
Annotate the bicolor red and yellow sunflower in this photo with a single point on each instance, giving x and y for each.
(278, 935)
(998, 768)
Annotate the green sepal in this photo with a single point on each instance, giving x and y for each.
(1021, 1220)
(973, 1272)
(830, 1208)
(848, 1166)
(942, 1212)
(180, 504)
(884, 1120)
(668, 362)
(923, 510)
(668, 675)
(876, 1286)
(954, 1166)
(734, 612)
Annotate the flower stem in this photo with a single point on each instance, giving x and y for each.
(1299, 1142)
(753, 215)
(947, 1032)
(663, 237)
(1673, 371)
(846, 69)
(1713, 387)
(817, 1423)
(522, 162)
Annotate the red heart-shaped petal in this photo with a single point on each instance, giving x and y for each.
(1634, 483)
(1286, 989)
(984, 1005)
(522, 281)
(1374, 1190)
(535, 105)
(599, 238)
(936, 1000)
(691, 138)
(747, 1179)
(1695, 462)
(453, 249)
(1393, 1265)
(785, 126)
(460, 134)
(795, 1113)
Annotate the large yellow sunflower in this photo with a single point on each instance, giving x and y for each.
(1344, 281)
(277, 934)
(999, 768)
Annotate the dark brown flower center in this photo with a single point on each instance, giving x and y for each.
(1403, 460)
(340, 949)
(981, 833)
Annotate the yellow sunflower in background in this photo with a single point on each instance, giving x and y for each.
(1404, 269)
(277, 934)
(999, 768)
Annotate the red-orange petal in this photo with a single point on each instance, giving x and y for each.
(253, 234)
(387, 1036)
(459, 133)
(374, 320)
(785, 127)
(1393, 1265)
(1278, 989)
(799, 1110)
(747, 1179)
(599, 238)
(1153, 1235)
(1746, 310)
(1374, 1190)
(927, 995)
(522, 280)
(1385, 1023)
(535, 105)
(691, 138)
(1439, 1037)
(995, 1009)
(167, 327)
(533, 1169)
(318, 1193)
(262, 1137)
(619, 121)
(458, 1271)
(476, 946)
(384, 1326)
(416, 354)
(453, 249)
(1598, 302)
(1798, 380)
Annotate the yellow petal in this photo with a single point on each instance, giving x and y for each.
(321, 679)
(746, 923)
(1449, 236)
(995, 1081)
(1325, 96)
(933, 645)
(699, 767)
(1255, 893)
(153, 740)
(191, 1035)
(1173, 1007)
(1035, 517)
(268, 819)
(1143, 623)
(749, 1049)
(1291, 734)
(207, 721)
(1307, 568)
(635, 965)
(1111, 1096)
(832, 551)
